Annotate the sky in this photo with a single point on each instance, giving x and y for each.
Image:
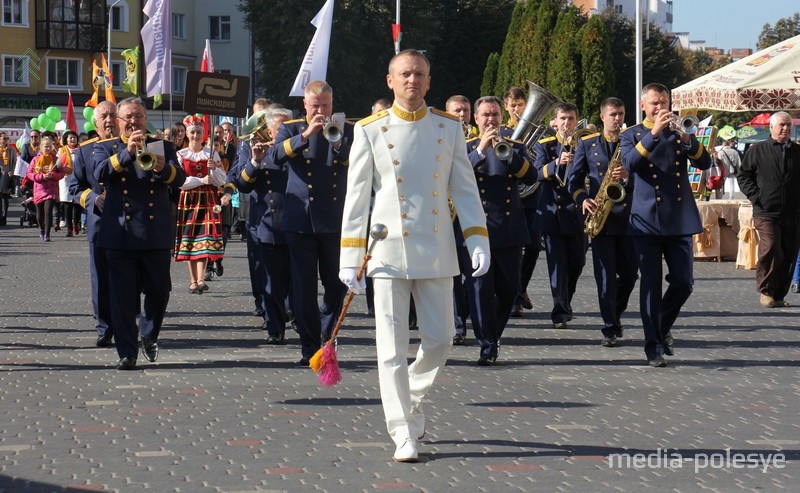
(729, 24)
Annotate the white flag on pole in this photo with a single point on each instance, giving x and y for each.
(157, 40)
(315, 63)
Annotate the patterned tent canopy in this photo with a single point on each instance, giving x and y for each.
(768, 80)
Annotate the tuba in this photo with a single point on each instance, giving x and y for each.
(530, 127)
(255, 128)
(611, 192)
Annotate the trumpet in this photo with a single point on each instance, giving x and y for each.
(502, 149)
(332, 130)
(686, 125)
(145, 161)
(570, 143)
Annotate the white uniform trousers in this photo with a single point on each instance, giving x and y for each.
(404, 386)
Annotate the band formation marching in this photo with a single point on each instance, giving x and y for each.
(468, 209)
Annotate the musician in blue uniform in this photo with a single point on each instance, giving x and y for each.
(557, 216)
(137, 234)
(312, 217)
(498, 166)
(90, 194)
(663, 215)
(613, 258)
(265, 183)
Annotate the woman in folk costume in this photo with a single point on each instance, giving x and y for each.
(45, 172)
(70, 212)
(199, 238)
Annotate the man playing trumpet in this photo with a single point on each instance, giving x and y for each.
(498, 165)
(613, 258)
(137, 231)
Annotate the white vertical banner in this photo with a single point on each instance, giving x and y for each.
(157, 40)
(315, 63)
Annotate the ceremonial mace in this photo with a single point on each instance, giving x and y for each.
(324, 362)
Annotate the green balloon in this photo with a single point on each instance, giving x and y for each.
(53, 113)
(88, 113)
(51, 126)
(34, 123)
(43, 120)
(88, 127)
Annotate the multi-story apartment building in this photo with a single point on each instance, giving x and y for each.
(48, 46)
(659, 12)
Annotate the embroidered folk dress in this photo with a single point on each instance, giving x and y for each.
(199, 225)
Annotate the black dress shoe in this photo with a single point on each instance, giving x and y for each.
(486, 361)
(220, 270)
(150, 349)
(668, 340)
(105, 339)
(258, 312)
(264, 325)
(525, 301)
(459, 340)
(303, 361)
(276, 341)
(609, 341)
(618, 332)
(126, 363)
(516, 311)
(657, 362)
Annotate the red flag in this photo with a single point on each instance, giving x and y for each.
(71, 122)
(207, 65)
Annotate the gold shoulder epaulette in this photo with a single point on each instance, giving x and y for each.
(90, 141)
(106, 140)
(546, 139)
(373, 118)
(296, 120)
(444, 114)
(590, 136)
(627, 128)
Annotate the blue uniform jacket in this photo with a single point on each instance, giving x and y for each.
(498, 187)
(591, 159)
(556, 211)
(136, 213)
(266, 187)
(85, 188)
(317, 178)
(663, 203)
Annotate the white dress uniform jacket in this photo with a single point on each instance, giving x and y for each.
(412, 160)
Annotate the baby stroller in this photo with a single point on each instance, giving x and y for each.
(28, 210)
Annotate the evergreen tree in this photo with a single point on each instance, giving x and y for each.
(564, 65)
(503, 79)
(546, 18)
(785, 28)
(598, 77)
(490, 75)
(523, 47)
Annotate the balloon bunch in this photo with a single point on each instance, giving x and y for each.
(46, 120)
(88, 115)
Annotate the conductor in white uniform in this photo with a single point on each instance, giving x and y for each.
(411, 156)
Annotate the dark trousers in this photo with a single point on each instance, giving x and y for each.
(658, 314)
(492, 295)
(615, 272)
(128, 270)
(71, 214)
(566, 256)
(3, 208)
(275, 272)
(460, 303)
(101, 304)
(777, 251)
(44, 216)
(312, 254)
(254, 268)
(530, 252)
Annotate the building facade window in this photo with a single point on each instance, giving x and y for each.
(15, 71)
(15, 13)
(68, 25)
(220, 28)
(179, 79)
(118, 15)
(64, 73)
(618, 9)
(179, 26)
(117, 73)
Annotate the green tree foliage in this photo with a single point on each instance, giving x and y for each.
(457, 36)
(564, 62)
(546, 18)
(523, 47)
(504, 77)
(490, 75)
(598, 76)
(785, 28)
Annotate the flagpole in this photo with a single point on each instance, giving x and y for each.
(638, 57)
(397, 21)
(108, 58)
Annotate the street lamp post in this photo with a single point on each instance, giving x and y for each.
(108, 56)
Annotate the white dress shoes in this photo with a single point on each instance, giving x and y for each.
(407, 452)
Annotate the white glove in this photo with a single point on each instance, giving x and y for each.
(349, 277)
(480, 262)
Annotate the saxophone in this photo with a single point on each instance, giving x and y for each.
(611, 191)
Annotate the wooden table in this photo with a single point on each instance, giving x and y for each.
(721, 223)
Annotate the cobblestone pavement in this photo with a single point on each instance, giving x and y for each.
(223, 412)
